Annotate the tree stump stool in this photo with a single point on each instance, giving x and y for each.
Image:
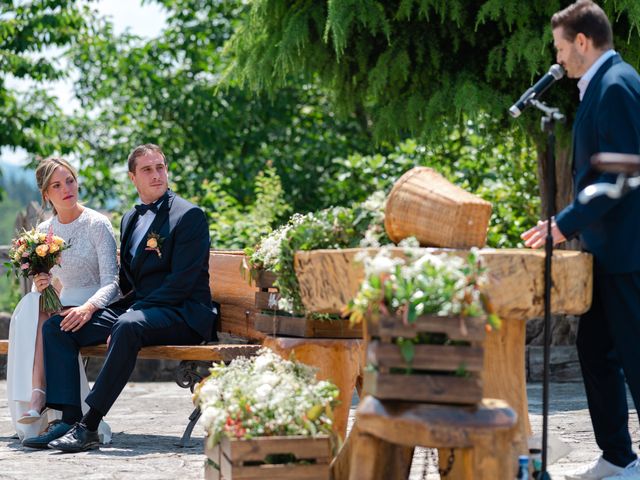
(387, 432)
(337, 360)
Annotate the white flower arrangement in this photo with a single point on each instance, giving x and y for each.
(335, 227)
(422, 283)
(264, 396)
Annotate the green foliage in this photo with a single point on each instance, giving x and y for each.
(336, 227)
(499, 167)
(411, 65)
(32, 119)
(165, 90)
(236, 226)
(9, 293)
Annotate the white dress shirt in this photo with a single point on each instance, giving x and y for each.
(141, 228)
(583, 83)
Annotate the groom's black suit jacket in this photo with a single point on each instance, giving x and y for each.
(178, 280)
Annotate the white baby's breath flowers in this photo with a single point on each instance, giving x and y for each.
(262, 396)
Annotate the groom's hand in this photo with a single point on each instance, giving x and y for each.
(76, 317)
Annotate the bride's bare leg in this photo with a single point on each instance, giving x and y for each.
(38, 381)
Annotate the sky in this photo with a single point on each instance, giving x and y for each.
(143, 20)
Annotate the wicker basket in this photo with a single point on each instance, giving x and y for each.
(424, 204)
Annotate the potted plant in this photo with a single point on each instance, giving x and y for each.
(425, 320)
(267, 417)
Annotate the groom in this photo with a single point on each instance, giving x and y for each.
(164, 277)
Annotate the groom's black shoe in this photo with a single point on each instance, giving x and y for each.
(78, 439)
(56, 429)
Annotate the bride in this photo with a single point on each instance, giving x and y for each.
(86, 279)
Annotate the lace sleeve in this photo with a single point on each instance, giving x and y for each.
(104, 243)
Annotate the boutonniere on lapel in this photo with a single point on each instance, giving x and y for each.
(154, 243)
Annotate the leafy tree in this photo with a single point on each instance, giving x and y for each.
(499, 169)
(165, 90)
(417, 66)
(29, 33)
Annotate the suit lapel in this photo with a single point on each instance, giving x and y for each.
(127, 225)
(156, 226)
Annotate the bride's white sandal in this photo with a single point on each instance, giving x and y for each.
(33, 415)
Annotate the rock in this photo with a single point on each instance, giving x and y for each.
(564, 329)
(563, 364)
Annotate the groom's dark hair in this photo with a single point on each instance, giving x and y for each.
(142, 150)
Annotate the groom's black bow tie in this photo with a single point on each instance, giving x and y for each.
(144, 207)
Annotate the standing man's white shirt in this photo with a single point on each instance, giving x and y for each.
(583, 83)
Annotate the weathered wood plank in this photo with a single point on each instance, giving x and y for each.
(232, 289)
(423, 388)
(267, 300)
(456, 328)
(329, 279)
(223, 353)
(265, 279)
(256, 449)
(272, 324)
(234, 454)
(427, 357)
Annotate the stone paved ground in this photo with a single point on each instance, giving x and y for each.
(149, 418)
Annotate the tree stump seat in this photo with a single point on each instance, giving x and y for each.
(482, 436)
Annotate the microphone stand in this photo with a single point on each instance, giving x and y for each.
(548, 123)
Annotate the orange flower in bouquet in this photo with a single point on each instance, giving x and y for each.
(36, 252)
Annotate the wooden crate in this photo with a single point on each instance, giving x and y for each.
(273, 324)
(245, 459)
(432, 372)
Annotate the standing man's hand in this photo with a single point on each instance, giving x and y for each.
(535, 237)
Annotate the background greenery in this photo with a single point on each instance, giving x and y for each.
(271, 107)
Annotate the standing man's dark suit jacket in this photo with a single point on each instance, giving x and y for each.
(608, 120)
(178, 280)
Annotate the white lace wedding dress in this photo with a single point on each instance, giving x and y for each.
(88, 271)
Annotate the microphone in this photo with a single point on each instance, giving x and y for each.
(555, 73)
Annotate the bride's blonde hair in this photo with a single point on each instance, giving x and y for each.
(44, 172)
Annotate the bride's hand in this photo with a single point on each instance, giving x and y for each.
(42, 281)
(75, 317)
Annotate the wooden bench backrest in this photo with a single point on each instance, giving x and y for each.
(231, 289)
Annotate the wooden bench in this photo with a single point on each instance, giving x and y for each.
(237, 300)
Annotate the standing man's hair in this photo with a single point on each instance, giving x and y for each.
(142, 150)
(587, 18)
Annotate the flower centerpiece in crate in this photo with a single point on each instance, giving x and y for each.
(426, 319)
(266, 417)
(271, 266)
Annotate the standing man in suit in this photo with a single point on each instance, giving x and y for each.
(164, 277)
(607, 120)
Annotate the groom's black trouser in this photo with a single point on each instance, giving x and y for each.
(129, 332)
(609, 351)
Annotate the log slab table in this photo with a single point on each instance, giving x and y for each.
(338, 360)
(476, 433)
(330, 278)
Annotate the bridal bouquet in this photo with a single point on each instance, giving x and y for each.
(264, 396)
(36, 252)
